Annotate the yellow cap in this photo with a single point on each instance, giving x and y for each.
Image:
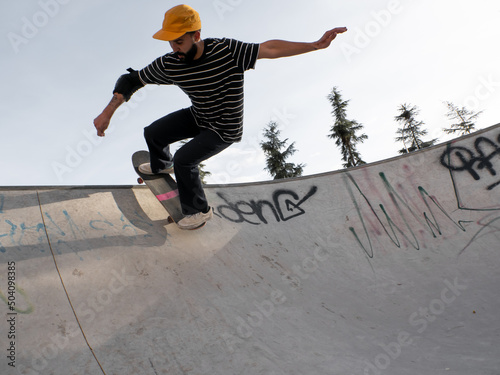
(179, 20)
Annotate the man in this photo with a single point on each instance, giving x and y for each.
(210, 72)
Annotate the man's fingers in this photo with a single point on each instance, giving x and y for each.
(338, 30)
(330, 35)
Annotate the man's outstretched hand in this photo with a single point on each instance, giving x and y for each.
(273, 49)
(328, 37)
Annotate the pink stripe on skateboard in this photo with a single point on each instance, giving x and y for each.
(167, 196)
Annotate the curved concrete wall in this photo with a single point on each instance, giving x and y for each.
(391, 268)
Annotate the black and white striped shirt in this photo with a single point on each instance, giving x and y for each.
(214, 83)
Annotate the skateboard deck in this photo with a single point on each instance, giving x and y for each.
(163, 186)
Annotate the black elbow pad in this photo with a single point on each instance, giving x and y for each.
(128, 83)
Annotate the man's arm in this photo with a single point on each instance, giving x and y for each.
(101, 122)
(125, 87)
(273, 49)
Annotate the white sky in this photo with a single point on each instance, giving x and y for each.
(61, 59)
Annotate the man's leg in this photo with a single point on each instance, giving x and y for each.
(165, 131)
(186, 162)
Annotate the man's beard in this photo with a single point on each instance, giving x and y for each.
(189, 56)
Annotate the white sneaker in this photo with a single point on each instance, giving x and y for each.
(146, 169)
(195, 221)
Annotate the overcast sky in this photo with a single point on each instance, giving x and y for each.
(61, 59)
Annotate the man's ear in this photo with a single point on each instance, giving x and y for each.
(197, 36)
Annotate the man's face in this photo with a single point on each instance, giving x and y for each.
(185, 47)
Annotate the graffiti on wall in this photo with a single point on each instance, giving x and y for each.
(64, 232)
(410, 220)
(474, 160)
(473, 166)
(284, 205)
(399, 220)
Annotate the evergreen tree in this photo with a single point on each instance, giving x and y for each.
(465, 118)
(276, 163)
(411, 133)
(203, 173)
(345, 131)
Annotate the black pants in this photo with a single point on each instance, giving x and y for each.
(205, 144)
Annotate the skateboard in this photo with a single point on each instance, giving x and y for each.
(163, 186)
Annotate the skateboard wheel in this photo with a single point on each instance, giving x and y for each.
(170, 220)
(140, 180)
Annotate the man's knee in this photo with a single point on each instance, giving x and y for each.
(149, 132)
(182, 159)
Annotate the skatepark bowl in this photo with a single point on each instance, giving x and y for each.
(389, 268)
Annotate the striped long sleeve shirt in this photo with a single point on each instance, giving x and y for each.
(214, 83)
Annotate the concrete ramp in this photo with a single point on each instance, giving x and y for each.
(391, 268)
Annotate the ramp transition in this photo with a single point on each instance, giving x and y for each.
(391, 268)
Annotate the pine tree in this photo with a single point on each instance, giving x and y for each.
(411, 133)
(276, 163)
(465, 118)
(345, 131)
(203, 173)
